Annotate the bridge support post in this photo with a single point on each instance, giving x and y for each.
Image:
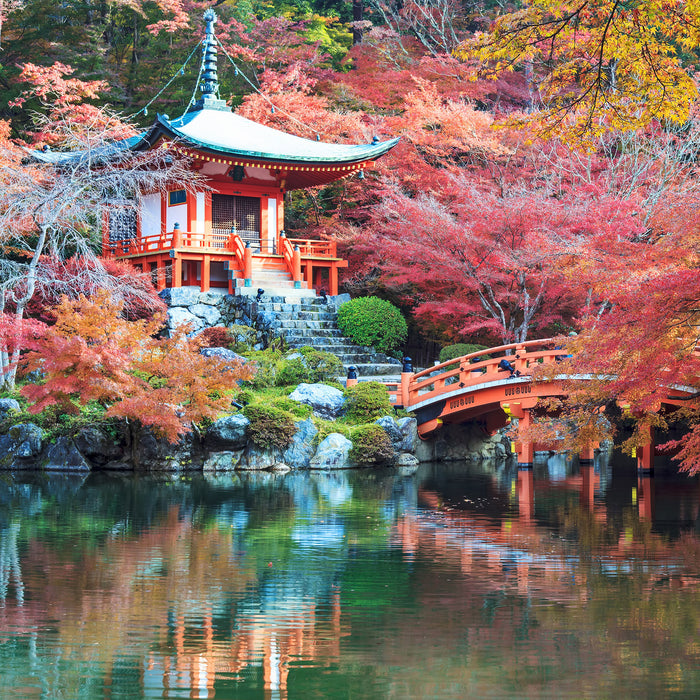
(587, 455)
(645, 453)
(406, 376)
(525, 448)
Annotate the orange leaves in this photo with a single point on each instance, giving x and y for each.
(597, 66)
(93, 354)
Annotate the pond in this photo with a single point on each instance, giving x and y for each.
(453, 581)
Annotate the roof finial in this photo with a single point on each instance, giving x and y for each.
(209, 83)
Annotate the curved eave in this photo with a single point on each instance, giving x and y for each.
(103, 153)
(222, 133)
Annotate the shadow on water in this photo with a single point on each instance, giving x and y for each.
(457, 580)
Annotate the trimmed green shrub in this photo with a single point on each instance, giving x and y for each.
(371, 446)
(367, 401)
(270, 427)
(450, 352)
(313, 366)
(373, 321)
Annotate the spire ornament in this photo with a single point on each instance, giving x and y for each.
(209, 82)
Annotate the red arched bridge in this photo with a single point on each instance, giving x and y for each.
(482, 388)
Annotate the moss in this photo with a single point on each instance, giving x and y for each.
(312, 366)
(367, 401)
(371, 446)
(270, 427)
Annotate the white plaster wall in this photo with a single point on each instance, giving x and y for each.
(199, 222)
(178, 214)
(150, 215)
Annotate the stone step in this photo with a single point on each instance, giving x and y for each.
(299, 335)
(282, 293)
(365, 371)
(290, 315)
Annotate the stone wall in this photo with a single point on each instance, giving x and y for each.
(225, 446)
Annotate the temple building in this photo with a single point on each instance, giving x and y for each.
(230, 233)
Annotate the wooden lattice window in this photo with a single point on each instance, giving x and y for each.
(122, 225)
(243, 213)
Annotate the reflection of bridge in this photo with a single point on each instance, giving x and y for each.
(476, 388)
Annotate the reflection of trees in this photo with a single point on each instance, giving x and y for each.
(208, 584)
(10, 571)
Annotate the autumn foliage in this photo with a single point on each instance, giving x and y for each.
(92, 354)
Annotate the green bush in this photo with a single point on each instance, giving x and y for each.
(244, 337)
(313, 366)
(450, 352)
(371, 446)
(270, 427)
(367, 401)
(265, 363)
(373, 321)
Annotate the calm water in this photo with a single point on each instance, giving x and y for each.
(453, 582)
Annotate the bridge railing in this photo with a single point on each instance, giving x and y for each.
(483, 366)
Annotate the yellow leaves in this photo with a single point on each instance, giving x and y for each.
(597, 66)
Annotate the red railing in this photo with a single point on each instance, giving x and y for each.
(314, 249)
(470, 370)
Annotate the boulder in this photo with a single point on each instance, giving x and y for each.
(209, 314)
(298, 455)
(227, 433)
(403, 432)
(223, 354)
(98, 447)
(408, 427)
(151, 453)
(180, 296)
(179, 317)
(326, 401)
(63, 455)
(8, 406)
(256, 458)
(20, 446)
(332, 453)
(227, 460)
(212, 298)
(406, 460)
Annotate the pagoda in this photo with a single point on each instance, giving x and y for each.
(229, 233)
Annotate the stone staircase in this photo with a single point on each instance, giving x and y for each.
(309, 320)
(269, 273)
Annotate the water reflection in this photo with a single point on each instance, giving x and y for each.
(562, 580)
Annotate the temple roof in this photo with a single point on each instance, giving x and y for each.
(222, 132)
(209, 130)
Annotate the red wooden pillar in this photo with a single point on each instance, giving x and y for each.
(645, 453)
(248, 265)
(333, 280)
(177, 271)
(206, 273)
(525, 448)
(296, 267)
(587, 455)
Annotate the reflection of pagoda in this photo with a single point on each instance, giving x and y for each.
(230, 231)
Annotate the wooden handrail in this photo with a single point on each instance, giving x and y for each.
(464, 371)
(313, 248)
